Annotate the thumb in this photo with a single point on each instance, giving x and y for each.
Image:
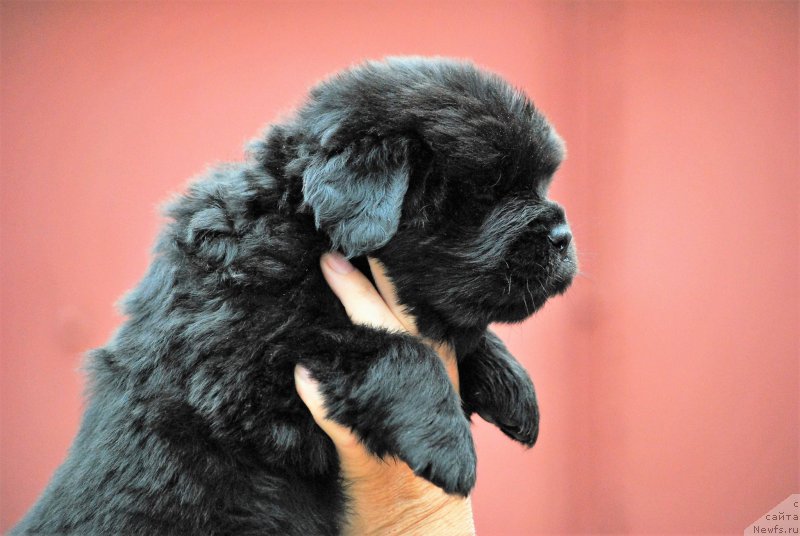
(356, 462)
(308, 388)
(363, 303)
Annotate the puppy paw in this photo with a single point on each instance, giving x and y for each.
(514, 411)
(440, 449)
(402, 404)
(496, 387)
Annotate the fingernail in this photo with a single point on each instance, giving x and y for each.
(303, 374)
(338, 263)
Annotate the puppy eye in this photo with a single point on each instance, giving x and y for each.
(501, 185)
(484, 194)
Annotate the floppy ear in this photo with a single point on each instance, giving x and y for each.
(357, 194)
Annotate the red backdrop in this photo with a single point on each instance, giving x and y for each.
(668, 376)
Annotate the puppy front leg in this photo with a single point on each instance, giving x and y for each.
(400, 402)
(495, 386)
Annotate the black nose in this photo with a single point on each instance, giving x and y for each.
(560, 236)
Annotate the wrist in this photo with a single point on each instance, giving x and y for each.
(452, 518)
(410, 507)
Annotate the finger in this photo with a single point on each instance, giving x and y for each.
(448, 356)
(308, 389)
(387, 291)
(355, 461)
(364, 305)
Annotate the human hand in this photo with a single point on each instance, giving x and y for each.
(385, 496)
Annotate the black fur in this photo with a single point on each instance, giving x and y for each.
(193, 426)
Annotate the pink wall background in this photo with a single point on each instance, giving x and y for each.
(668, 376)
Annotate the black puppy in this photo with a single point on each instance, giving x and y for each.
(435, 168)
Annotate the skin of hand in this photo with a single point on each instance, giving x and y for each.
(385, 497)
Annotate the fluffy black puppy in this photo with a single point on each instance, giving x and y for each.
(193, 426)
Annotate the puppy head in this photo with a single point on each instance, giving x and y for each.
(441, 171)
